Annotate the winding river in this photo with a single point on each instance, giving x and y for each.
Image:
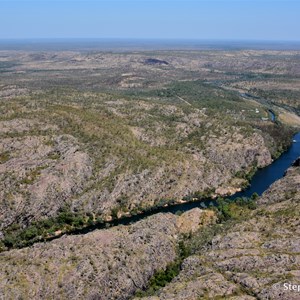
(262, 179)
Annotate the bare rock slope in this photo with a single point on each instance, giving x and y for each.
(255, 259)
(39, 176)
(103, 264)
(44, 168)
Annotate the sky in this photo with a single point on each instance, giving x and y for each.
(268, 20)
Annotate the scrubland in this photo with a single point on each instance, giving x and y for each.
(86, 137)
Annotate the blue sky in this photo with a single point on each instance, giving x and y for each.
(176, 19)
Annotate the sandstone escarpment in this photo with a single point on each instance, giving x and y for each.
(213, 168)
(39, 176)
(87, 135)
(44, 169)
(103, 264)
(254, 259)
(102, 134)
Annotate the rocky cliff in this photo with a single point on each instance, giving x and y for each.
(103, 264)
(254, 258)
(45, 168)
(257, 258)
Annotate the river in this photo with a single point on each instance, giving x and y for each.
(262, 179)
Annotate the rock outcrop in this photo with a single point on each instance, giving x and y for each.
(258, 258)
(44, 170)
(39, 176)
(103, 264)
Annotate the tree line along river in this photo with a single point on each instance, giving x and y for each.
(261, 180)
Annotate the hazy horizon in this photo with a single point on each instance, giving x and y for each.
(127, 44)
(263, 20)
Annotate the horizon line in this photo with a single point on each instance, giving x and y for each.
(147, 39)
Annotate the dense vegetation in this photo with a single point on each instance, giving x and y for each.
(17, 237)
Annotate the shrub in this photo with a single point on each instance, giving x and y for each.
(114, 212)
(4, 157)
(30, 233)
